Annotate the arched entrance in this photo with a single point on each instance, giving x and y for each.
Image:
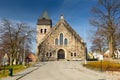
(61, 54)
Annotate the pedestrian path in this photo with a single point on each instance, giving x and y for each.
(61, 70)
(21, 74)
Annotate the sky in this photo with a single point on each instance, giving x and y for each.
(76, 13)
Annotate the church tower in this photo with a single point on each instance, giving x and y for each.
(44, 25)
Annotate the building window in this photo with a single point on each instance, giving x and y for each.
(47, 54)
(45, 30)
(65, 41)
(56, 41)
(41, 30)
(50, 54)
(61, 38)
(71, 54)
(74, 54)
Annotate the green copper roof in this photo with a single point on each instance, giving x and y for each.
(44, 15)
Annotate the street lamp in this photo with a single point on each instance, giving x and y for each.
(24, 49)
(102, 50)
(85, 52)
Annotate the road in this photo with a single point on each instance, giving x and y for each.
(65, 70)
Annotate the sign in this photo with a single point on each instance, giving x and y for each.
(101, 57)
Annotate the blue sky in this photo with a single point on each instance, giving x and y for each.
(76, 12)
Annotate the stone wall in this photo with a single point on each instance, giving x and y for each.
(39, 35)
(48, 49)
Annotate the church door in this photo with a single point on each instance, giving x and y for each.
(61, 54)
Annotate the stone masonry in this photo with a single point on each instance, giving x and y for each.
(58, 42)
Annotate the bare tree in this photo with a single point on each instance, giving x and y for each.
(106, 17)
(45, 51)
(13, 38)
(98, 42)
(117, 38)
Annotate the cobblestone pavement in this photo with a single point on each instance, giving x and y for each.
(64, 70)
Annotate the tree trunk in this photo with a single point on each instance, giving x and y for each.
(111, 47)
(11, 60)
(11, 56)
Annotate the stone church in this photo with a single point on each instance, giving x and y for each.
(59, 42)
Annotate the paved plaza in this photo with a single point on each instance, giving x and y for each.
(61, 70)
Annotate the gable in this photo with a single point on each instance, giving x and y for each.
(62, 27)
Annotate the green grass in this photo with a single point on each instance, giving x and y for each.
(16, 68)
(106, 65)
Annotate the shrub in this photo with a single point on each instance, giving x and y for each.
(105, 65)
(16, 68)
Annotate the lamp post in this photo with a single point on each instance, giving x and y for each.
(4, 61)
(24, 50)
(85, 52)
(102, 50)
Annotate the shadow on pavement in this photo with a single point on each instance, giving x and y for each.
(24, 74)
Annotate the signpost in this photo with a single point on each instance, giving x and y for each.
(101, 59)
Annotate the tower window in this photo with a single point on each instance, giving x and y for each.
(56, 41)
(41, 30)
(71, 54)
(61, 38)
(74, 54)
(65, 41)
(45, 31)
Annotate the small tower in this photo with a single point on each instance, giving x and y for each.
(44, 25)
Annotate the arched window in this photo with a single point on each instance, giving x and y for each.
(71, 54)
(47, 54)
(61, 38)
(56, 41)
(45, 30)
(41, 30)
(50, 54)
(74, 54)
(65, 41)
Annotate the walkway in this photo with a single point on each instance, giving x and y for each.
(63, 70)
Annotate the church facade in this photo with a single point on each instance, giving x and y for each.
(59, 42)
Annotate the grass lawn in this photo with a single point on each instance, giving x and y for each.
(103, 65)
(16, 68)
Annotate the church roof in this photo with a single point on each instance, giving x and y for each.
(44, 15)
(44, 19)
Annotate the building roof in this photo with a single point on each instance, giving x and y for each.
(44, 19)
(44, 15)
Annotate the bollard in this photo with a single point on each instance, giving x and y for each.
(10, 73)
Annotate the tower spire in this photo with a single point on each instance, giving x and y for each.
(44, 19)
(44, 15)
